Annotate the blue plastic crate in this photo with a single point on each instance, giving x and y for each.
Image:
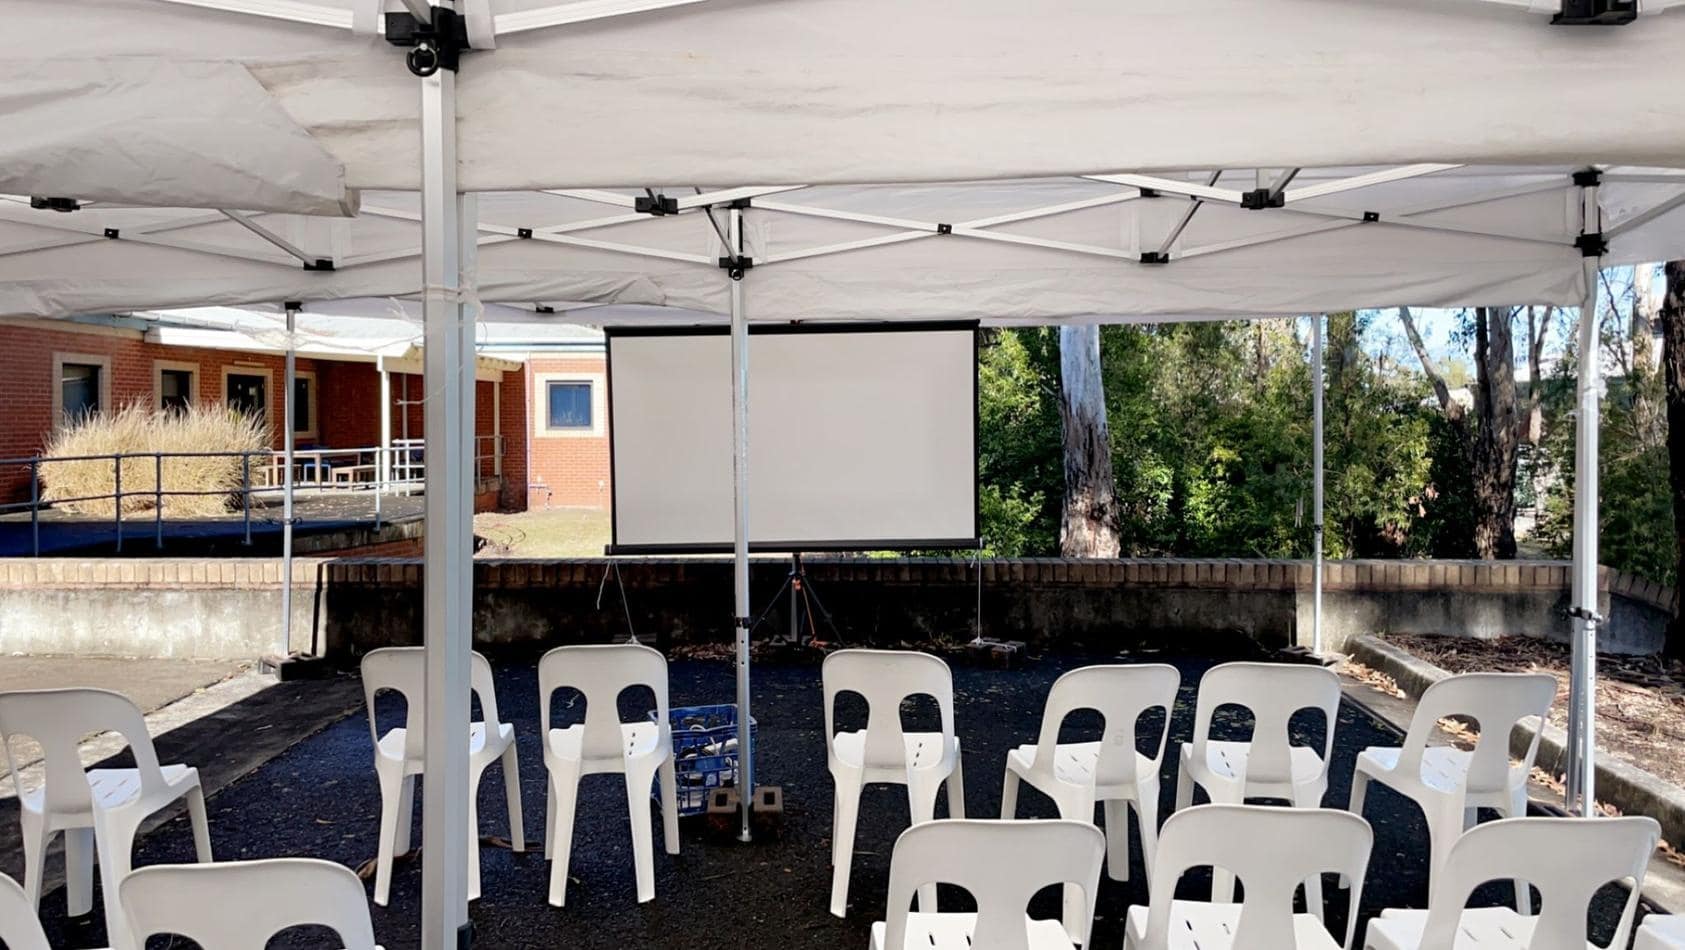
(704, 752)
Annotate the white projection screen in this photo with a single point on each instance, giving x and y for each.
(860, 438)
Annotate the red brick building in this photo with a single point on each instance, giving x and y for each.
(49, 368)
(568, 445)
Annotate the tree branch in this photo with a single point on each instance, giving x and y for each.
(1452, 409)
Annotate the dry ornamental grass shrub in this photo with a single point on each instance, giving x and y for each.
(136, 429)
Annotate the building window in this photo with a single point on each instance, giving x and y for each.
(79, 388)
(247, 393)
(177, 385)
(569, 405)
(304, 405)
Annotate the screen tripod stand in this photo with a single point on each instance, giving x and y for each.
(805, 605)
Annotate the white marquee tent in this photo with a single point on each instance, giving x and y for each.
(1077, 161)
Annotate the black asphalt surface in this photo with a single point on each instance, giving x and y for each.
(319, 798)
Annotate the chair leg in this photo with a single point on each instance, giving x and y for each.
(406, 814)
(1071, 808)
(1009, 796)
(670, 805)
(36, 837)
(1523, 894)
(1117, 839)
(638, 782)
(1311, 797)
(549, 818)
(79, 871)
(564, 789)
(474, 777)
(1222, 881)
(1359, 794)
(1146, 814)
(512, 796)
(921, 802)
(956, 790)
(393, 789)
(114, 839)
(1184, 787)
(201, 825)
(845, 815)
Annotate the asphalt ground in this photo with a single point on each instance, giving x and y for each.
(319, 798)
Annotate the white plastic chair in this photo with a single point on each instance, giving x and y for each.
(1449, 783)
(604, 744)
(881, 752)
(1271, 849)
(241, 905)
(401, 754)
(1661, 932)
(99, 809)
(1078, 774)
(1003, 864)
(20, 929)
(1269, 765)
(1567, 859)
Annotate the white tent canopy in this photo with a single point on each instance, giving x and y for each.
(1108, 246)
(257, 109)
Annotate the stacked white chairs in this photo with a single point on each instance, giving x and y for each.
(98, 809)
(1112, 770)
(241, 905)
(1271, 849)
(1449, 784)
(400, 756)
(1268, 765)
(20, 929)
(1002, 864)
(882, 752)
(603, 744)
(1567, 859)
(1661, 932)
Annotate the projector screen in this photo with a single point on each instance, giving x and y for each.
(860, 438)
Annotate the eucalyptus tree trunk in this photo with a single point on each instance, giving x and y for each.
(1089, 526)
(1672, 317)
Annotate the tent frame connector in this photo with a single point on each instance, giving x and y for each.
(735, 265)
(1371, 217)
(1155, 257)
(1583, 613)
(319, 264)
(1260, 198)
(1596, 13)
(1593, 244)
(49, 203)
(436, 43)
(112, 234)
(655, 205)
(944, 229)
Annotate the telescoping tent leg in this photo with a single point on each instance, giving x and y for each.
(448, 557)
(286, 644)
(1316, 483)
(1581, 779)
(740, 524)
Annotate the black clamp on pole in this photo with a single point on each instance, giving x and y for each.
(1581, 613)
(434, 45)
(735, 265)
(49, 203)
(658, 205)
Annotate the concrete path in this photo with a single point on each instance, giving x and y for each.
(150, 683)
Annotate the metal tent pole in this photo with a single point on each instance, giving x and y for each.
(740, 505)
(287, 440)
(1581, 779)
(1316, 482)
(448, 566)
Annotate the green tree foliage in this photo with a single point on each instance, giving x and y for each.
(1019, 442)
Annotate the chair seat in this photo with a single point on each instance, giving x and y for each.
(1197, 925)
(391, 745)
(1227, 760)
(953, 932)
(112, 788)
(1074, 762)
(640, 738)
(1484, 928)
(1444, 768)
(924, 749)
(1661, 932)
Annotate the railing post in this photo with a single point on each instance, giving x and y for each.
(382, 461)
(35, 504)
(246, 493)
(158, 496)
(117, 503)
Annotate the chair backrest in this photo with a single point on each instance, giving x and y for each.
(1567, 859)
(602, 672)
(885, 678)
(59, 719)
(240, 905)
(1497, 702)
(1273, 692)
(1271, 850)
(20, 929)
(1120, 694)
(403, 670)
(1001, 863)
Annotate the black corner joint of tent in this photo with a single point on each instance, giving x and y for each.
(1588, 178)
(319, 264)
(48, 203)
(1260, 198)
(1149, 192)
(543, 308)
(1592, 245)
(736, 265)
(1596, 13)
(434, 45)
(1154, 257)
(655, 205)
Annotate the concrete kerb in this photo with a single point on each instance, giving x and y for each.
(1628, 788)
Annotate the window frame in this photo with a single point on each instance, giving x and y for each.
(60, 360)
(268, 390)
(541, 405)
(313, 390)
(160, 367)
